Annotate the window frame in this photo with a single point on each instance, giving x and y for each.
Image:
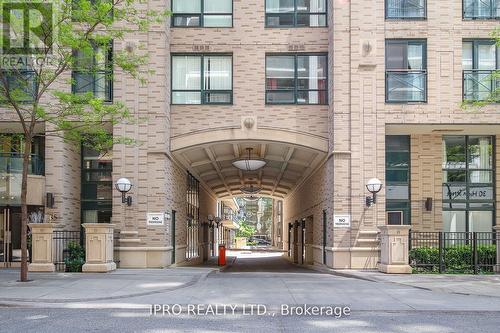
(31, 81)
(475, 42)
(202, 77)
(406, 211)
(423, 71)
(466, 18)
(295, 15)
(107, 72)
(467, 183)
(295, 89)
(409, 18)
(200, 15)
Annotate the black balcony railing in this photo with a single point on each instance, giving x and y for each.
(405, 9)
(406, 86)
(99, 83)
(481, 9)
(480, 85)
(11, 163)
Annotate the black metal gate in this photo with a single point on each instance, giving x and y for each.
(61, 239)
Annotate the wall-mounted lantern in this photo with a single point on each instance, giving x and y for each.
(373, 186)
(123, 185)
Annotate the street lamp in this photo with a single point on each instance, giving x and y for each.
(373, 186)
(123, 185)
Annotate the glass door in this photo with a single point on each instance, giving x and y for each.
(5, 247)
(10, 236)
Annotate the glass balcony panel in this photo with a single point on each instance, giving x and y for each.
(406, 86)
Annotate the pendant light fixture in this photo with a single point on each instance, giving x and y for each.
(248, 163)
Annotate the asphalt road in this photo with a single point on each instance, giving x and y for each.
(270, 282)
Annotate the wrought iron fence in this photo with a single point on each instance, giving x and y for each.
(453, 252)
(61, 240)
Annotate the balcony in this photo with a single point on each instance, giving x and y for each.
(406, 86)
(480, 85)
(481, 9)
(405, 9)
(12, 163)
(99, 83)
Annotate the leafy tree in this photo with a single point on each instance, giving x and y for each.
(69, 36)
(245, 230)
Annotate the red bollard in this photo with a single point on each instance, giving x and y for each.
(222, 255)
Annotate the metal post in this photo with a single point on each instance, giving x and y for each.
(474, 252)
(441, 259)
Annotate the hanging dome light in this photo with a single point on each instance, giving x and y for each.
(252, 198)
(249, 163)
(250, 189)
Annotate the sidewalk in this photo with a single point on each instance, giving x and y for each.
(83, 287)
(480, 285)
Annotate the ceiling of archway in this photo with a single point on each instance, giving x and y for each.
(287, 166)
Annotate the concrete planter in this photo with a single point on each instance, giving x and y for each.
(394, 249)
(41, 245)
(98, 248)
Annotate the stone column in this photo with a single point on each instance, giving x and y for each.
(497, 266)
(394, 249)
(41, 245)
(98, 248)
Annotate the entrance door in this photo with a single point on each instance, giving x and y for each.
(10, 237)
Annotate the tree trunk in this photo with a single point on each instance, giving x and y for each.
(24, 209)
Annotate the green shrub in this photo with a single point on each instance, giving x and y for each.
(76, 257)
(456, 258)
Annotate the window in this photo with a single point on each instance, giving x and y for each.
(405, 9)
(397, 175)
(480, 60)
(296, 13)
(202, 79)
(93, 72)
(20, 83)
(468, 183)
(406, 71)
(202, 13)
(11, 154)
(481, 9)
(297, 79)
(97, 186)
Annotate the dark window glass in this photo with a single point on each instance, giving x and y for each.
(202, 79)
(481, 9)
(397, 174)
(97, 186)
(299, 13)
(406, 71)
(93, 72)
(405, 9)
(480, 61)
(296, 79)
(206, 13)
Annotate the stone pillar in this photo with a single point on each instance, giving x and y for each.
(394, 249)
(41, 245)
(497, 266)
(98, 248)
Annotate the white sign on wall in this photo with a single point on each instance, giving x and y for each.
(156, 218)
(342, 221)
